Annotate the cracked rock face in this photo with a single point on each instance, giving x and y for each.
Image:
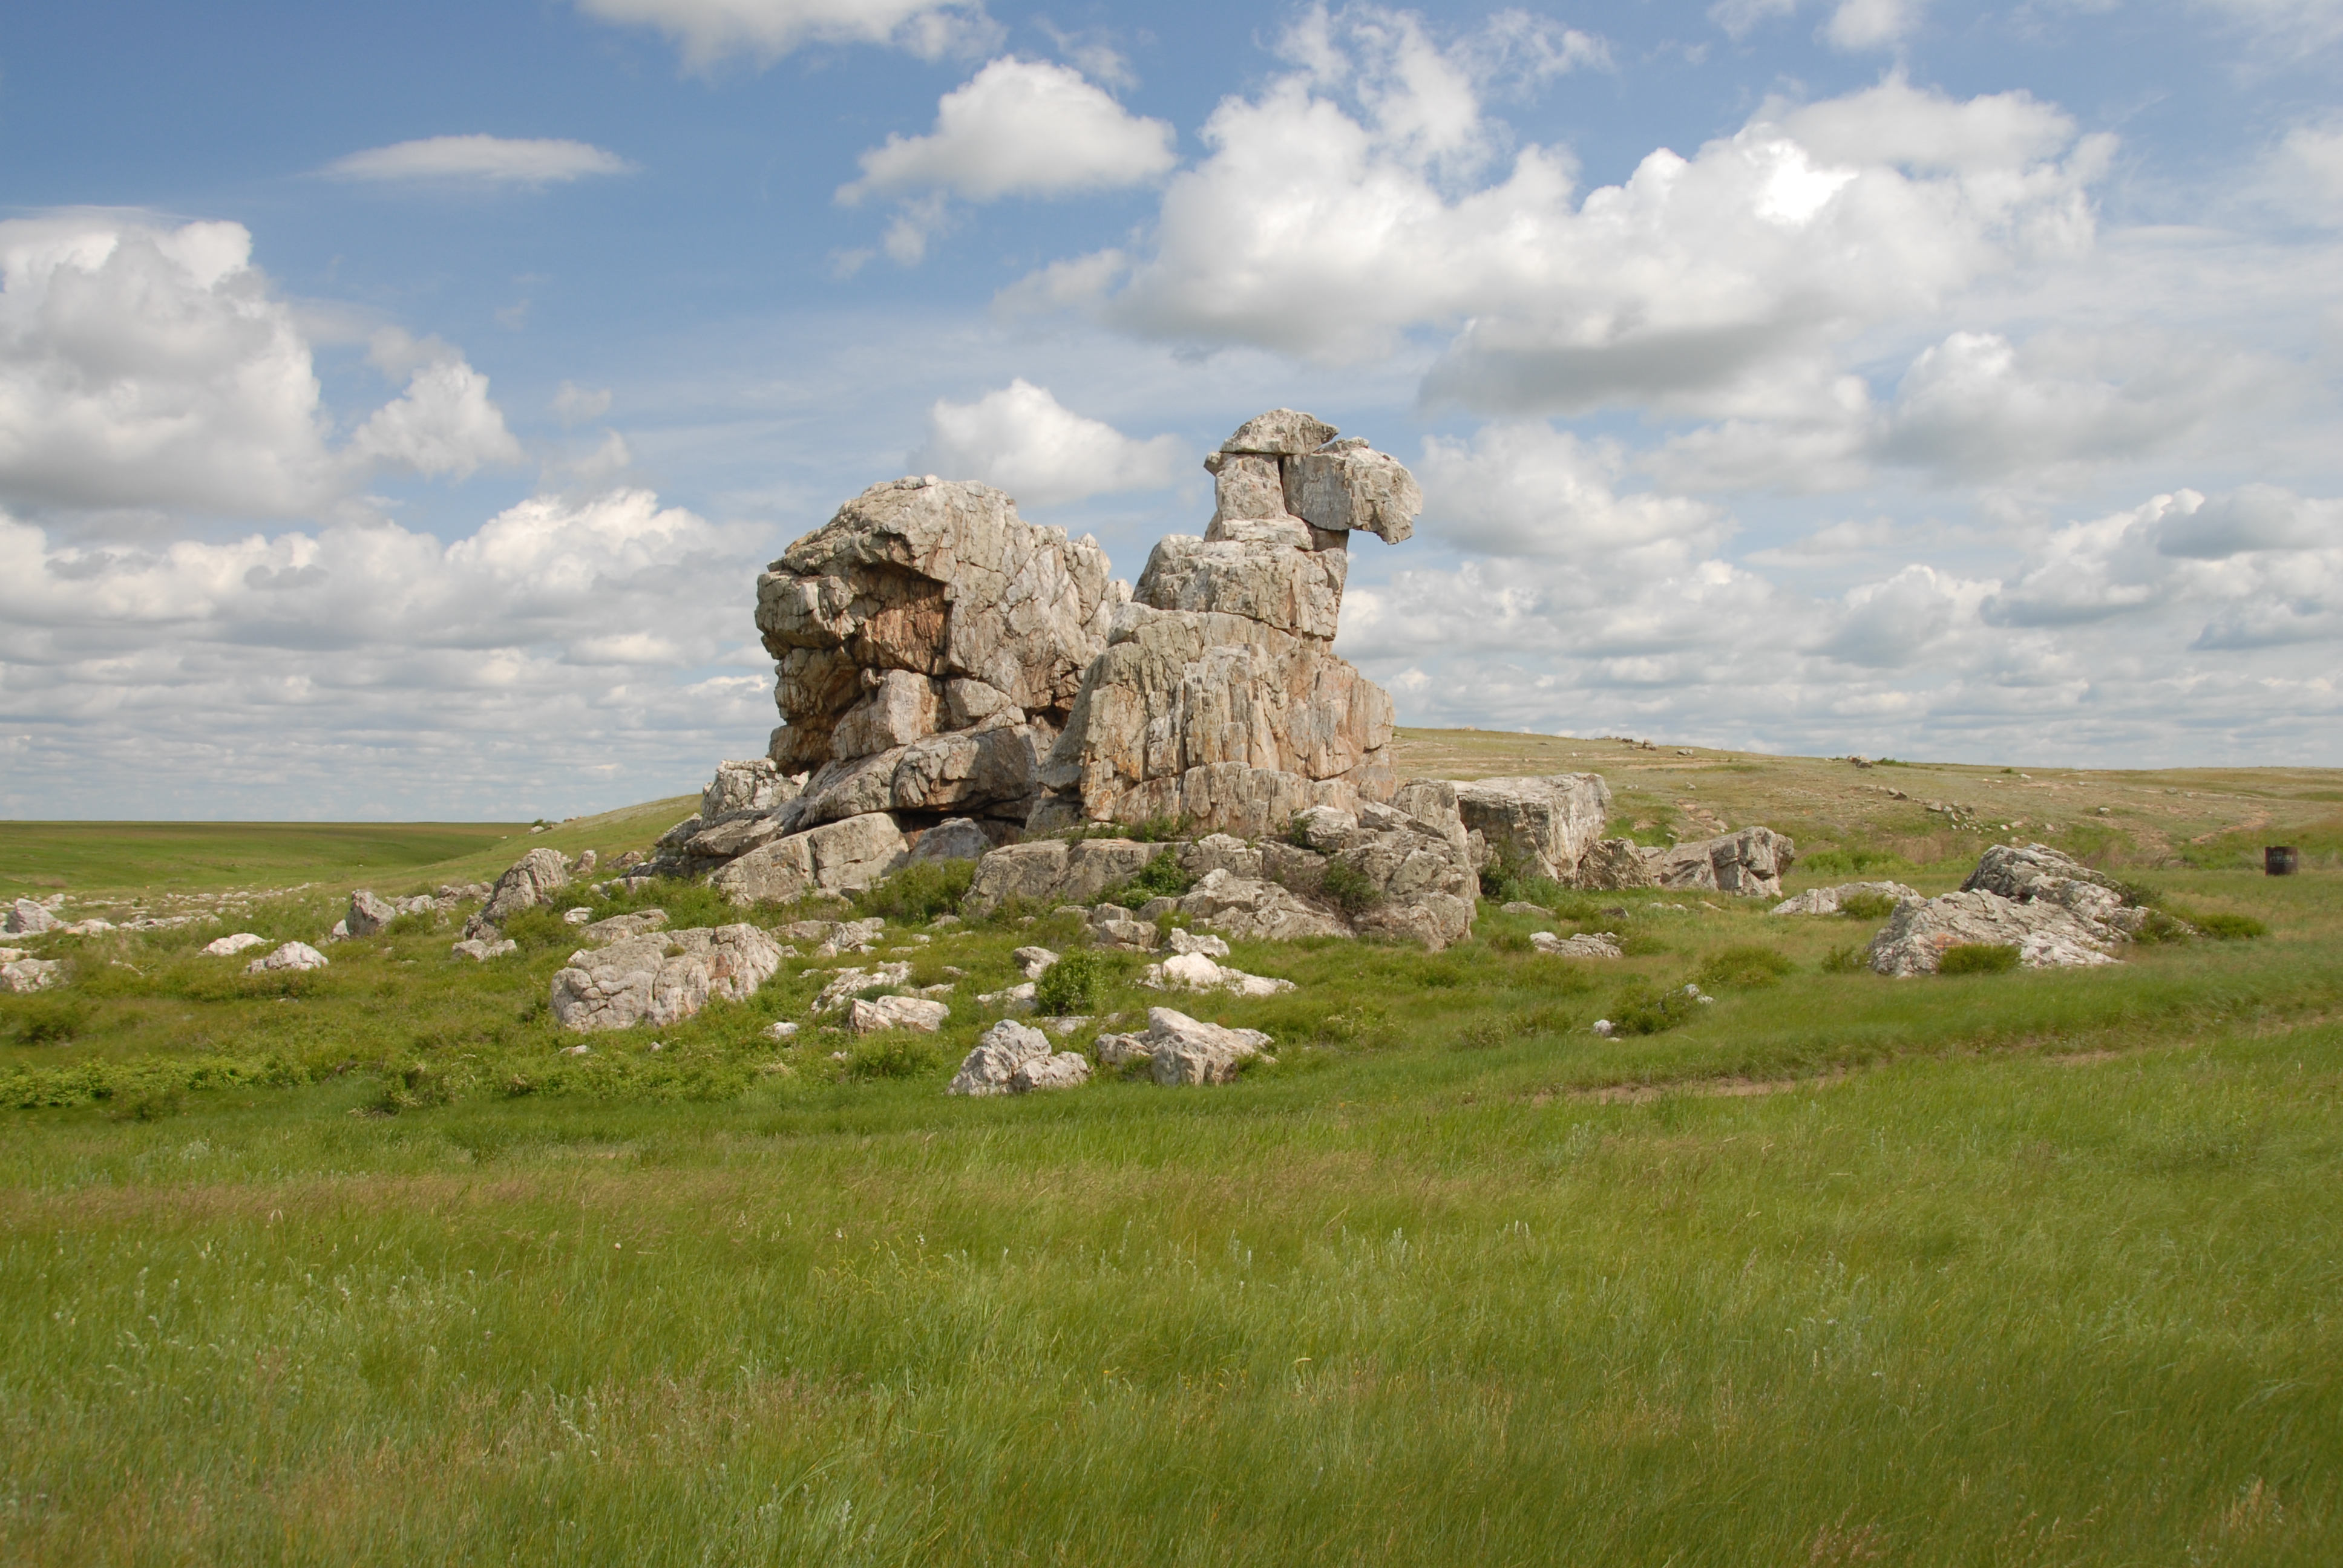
(921, 612)
(662, 977)
(1219, 698)
(2055, 912)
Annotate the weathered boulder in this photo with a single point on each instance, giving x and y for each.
(1615, 865)
(957, 839)
(1591, 945)
(480, 950)
(1066, 1069)
(1279, 433)
(839, 993)
(752, 784)
(367, 914)
(875, 1015)
(1827, 901)
(1187, 941)
(1748, 864)
(29, 918)
(1349, 486)
(663, 977)
(530, 882)
(1182, 1050)
(1051, 870)
(1198, 972)
(2038, 874)
(2046, 935)
(228, 947)
(1283, 588)
(292, 957)
(984, 769)
(1000, 1052)
(618, 928)
(835, 858)
(1546, 825)
(923, 607)
(1407, 869)
(23, 975)
(1251, 909)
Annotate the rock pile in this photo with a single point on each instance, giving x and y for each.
(2055, 912)
(1219, 700)
(1012, 1058)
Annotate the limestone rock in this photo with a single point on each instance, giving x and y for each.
(23, 976)
(1181, 1050)
(753, 785)
(836, 858)
(530, 882)
(1034, 961)
(1615, 865)
(1252, 910)
(1748, 864)
(2047, 935)
(1354, 487)
(1049, 870)
(957, 839)
(1283, 588)
(1279, 433)
(1413, 860)
(1545, 824)
(1000, 1052)
(843, 983)
(1826, 901)
(1186, 941)
(480, 950)
(994, 765)
(917, 585)
(1016, 998)
(1248, 489)
(1592, 945)
(27, 918)
(1066, 1069)
(662, 978)
(367, 915)
(1196, 971)
(228, 947)
(618, 928)
(291, 956)
(876, 1015)
(2037, 874)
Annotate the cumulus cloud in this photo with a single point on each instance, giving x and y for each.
(2307, 176)
(150, 365)
(478, 161)
(1021, 438)
(1853, 25)
(1021, 127)
(364, 665)
(1349, 206)
(1526, 489)
(708, 31)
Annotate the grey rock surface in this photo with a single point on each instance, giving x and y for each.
(1592, 945)
(836, 858)
(1545, 824)
(1747, 864)
(876, 1015)
(662, 977)
(291, 956)
(1000, 1052)
(23, 976)
(230, 946)
(26, 918)
(529, 882)
(1827, 901)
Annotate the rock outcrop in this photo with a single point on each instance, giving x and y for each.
(1748, 864)
(836, 858)
(2056, 912)
(1012, 1058)
(1827, 901)
(29, 918)
(662, 977)
(1545, 825)
(529, 882)
(1181, 1050)
(1219, 700)
(21, 974)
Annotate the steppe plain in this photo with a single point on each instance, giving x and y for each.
(354, 1266)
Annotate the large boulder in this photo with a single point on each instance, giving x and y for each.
(1219, 699)
(530, 882)
(841, 857)
(2046, 936)
(22, 974)
(1827, 901)
(1051, 870)
(368, 913)
(27, 918)
(1000, 1051)
(923, 609)
(662, 978)
(290, 958)
(2038, 874)
(1253, 909)
(1748, 864)
(751, 786)
(1615, 865)
(1182, 1050)
(1546, 825)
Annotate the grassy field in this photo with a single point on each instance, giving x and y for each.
(357, 1267)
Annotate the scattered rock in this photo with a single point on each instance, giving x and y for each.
(1826, 901)
(1181, 1050)
(1517, 907)
(1066, 1069)
(228, 947)
(367, 914)
(21, 975)
(1748, 863)
(27, 918)
(480, 950)
(531, 880)
(2058, 912)
(782, 1031)
(843, 983)
(1257, 910)
(1204, 942)
(577, 916)
(886, 1012)
(1034, 961)
(1196, 971)
(1000, 1052)
(662, 978)
(1592, 945)
(293, 956)
(1017, 999)
(1614, 866)
(616, 928)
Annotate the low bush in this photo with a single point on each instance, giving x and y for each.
(49, 1021)
(895, 1054)
(1866, 906)
(1069, 986)
(918, 892)
(1746, 967)
(1161, 877)
(539, 930)
(1977, 959)
(1348, 889)
(1853, 958)
(2229, 928)
(1641, 1009)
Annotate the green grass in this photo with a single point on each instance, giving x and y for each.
(38, 858)
(358, 1267)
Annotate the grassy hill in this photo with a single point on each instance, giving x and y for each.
(359, 1266)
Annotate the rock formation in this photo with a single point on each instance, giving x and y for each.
(1219, 700)
(1546, 825)
(1827, 901)
(2056, 912)
(662, 977)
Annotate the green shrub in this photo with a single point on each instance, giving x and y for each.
(1853, 958)
(2229, 928)
(1161, 877)
(1348, 889)
(918, 892)
(1866, 905)
(895, 1054)
(1977, 959)
(540, 929)
(1641, 1009)
(1747, 966)
(1642, 945)
(50, 1020)
(1069, 986)
(413, 1087)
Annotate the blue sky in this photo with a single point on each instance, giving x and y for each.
(396, 404)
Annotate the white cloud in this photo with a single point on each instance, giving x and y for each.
(708, 31)
(1859, 25)
(2307, 176)
(576, 405)
(1021, 127)
(148, 366)
(1338, 213)
(1021, 439)
(1526, 489)
(479, 160)
(478, 677)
